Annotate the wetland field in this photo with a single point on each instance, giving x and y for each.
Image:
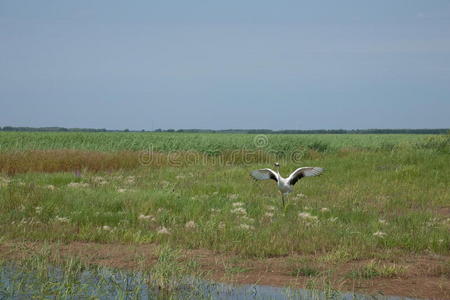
(178, 205)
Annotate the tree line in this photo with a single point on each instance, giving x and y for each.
(249, 131)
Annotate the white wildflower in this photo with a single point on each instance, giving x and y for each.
(215, 193)
(38, 210)
(190, 225)
(333, 219)
(33, 221)
(62, 219)
(307, 216)
(239, 211)
(247, 219)
(324, 209)
(233, 196)
(382, 221)
(432, 222)
(106, 228)
(50, 187)
(238, 204)
(163, 230)
(99, 180)
(221, 225)
(307, 208)
(379, 234)
(121, 190)
(4, 181)
(164, 183)
(246, 227)
(304, 215)
(268, 214)
(180, 177)
(145, 217)
(215, 210)
(77, 184)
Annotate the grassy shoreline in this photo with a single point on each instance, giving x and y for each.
(416, 276)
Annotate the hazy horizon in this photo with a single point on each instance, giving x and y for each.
(221, 129)
(206, 65)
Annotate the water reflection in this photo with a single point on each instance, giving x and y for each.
(77, 282)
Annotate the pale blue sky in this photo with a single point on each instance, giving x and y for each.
(225, 64)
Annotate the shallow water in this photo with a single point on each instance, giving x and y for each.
(103, 283)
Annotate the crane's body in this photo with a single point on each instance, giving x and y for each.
(286, 185)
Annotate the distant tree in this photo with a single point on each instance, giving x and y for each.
(243, 131)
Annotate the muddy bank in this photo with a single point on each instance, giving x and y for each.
(424, 276)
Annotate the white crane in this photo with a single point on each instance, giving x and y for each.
(286, 185)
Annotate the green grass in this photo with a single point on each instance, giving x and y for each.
(305, 271)
(203, 142)
(376, 199)
(376, 270)
(135, 206)
(168, 271)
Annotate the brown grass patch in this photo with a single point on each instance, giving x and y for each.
(75, 160)
(66, 160)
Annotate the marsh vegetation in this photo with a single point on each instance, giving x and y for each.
(382, 198)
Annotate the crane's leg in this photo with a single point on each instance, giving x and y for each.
(282, 198)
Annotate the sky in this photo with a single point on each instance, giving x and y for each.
(225, 64)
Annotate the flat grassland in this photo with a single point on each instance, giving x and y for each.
(378, 218)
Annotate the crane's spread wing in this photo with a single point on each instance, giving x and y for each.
(303, 172)
(263, 174)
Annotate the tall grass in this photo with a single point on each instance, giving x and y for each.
(370, 199)
(203, 142)
(52, 152)
(366, 202)
(76, 160)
